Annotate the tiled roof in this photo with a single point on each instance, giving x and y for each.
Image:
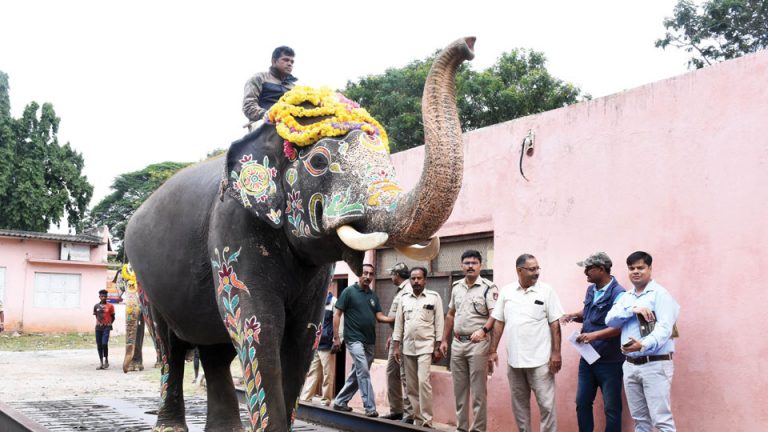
(68, 238)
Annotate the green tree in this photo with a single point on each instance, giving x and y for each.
(40, 180)
(5, 99)
(717, 30)
(215, 152)
(518, 84)
(130, 190)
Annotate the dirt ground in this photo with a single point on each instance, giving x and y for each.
(66, 374)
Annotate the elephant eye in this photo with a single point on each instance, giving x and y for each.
(319, 162)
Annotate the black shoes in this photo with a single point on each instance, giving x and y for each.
(344, 408)
(393, 416)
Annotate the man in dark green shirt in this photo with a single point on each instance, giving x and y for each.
(361, 309)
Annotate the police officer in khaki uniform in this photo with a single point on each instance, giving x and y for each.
(472, 300)
(398, 405)
(419, 329)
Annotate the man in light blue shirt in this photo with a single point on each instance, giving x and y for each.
(646, 316)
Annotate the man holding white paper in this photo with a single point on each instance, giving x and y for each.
(606, 372)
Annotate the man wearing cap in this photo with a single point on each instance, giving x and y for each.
(395, 370)
(646, 316)
(530, 311)
(605, 373)
(418, 329)
(472, 301)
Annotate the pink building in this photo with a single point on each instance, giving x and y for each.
(50, 282)
(677, 168)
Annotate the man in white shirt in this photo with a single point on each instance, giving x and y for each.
(529, 311)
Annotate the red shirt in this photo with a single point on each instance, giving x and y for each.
(105, 315)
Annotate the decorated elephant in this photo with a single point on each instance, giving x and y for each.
(136, 315)
(235, 254)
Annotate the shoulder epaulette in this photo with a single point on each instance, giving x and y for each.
(487, 282)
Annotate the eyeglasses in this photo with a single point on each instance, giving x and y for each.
(531, 269)
(470, 263)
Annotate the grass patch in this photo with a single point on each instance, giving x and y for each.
(53, 341)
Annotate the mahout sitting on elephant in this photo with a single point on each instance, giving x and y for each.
(239, 263)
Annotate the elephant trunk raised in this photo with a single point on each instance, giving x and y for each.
(423, 210)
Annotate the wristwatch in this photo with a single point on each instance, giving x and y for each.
(485, 330)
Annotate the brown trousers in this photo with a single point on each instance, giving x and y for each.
(469, 369)
(321, 371)
(419, 387)
(395, 385)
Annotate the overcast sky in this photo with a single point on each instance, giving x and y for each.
(141, 82)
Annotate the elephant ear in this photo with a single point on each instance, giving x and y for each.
(252, 174)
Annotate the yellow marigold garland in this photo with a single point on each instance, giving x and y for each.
(128, 274)
(343, 114)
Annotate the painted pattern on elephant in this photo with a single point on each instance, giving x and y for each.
(244, 333)
(383, 191)
(291, 209)
(254, 179)
(294, 211)
(137, 319)
(319, 161)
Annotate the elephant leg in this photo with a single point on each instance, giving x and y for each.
(302, 334)
(260, 359)
(170, 416)
(132, 316)
(146, 313)
(223, 406)
(254, 316)
(138, 355)
(134, 343)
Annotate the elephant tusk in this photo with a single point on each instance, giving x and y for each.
(359, 241)
(422, 253)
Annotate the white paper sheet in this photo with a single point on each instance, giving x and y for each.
(587, 352)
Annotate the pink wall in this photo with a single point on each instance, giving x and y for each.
(676, 168)
(22, 259)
